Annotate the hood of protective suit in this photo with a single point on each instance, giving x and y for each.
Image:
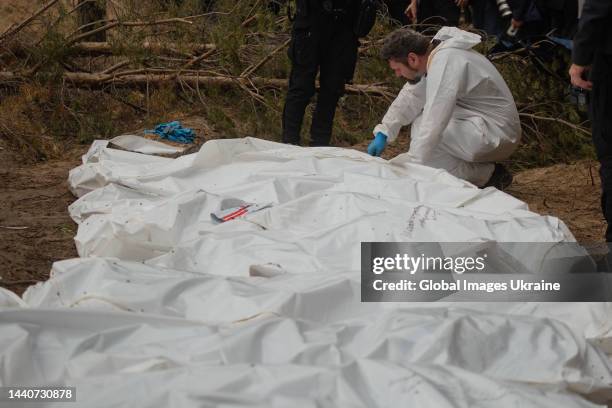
(452, 37)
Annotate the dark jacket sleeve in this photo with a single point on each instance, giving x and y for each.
(591, 30)
(520, 8)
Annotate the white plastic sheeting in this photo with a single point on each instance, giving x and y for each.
(167, 308)
(139, 144)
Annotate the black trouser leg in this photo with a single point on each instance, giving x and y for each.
(486, 16)
(337, 67)
(303, 54)
(331, 86)
(601, 106)
(301, 90)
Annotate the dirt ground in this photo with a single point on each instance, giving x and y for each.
(35, 229)
(570, 192)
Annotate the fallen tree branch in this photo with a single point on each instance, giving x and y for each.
(13, 30)
(8, 78)
(72, 10)
(250, 17)
(94, 48)
(99, 80)
(104, 48)
(249, 20)
(564, 122)
(195, 60)
(116, 67)
(115, 23)
(267, 58)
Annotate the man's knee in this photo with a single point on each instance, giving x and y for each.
(301, 89)
(331, 92)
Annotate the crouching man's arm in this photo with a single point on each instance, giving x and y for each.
(404, 109)
(445, 84)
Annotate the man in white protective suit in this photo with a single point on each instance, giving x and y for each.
(463, 115)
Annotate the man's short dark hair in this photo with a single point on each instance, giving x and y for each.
(402, 42)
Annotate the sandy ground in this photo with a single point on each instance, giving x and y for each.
(35, 229)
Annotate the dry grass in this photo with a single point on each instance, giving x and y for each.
(13, 11)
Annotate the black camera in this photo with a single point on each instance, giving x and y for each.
(579, 97)
(504, 9)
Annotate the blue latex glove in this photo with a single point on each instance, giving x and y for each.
(174, 132)
(378, 144)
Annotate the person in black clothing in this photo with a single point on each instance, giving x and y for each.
(560, 15)
(496, 19)
(436, 12)
(323, 40)
(592, 56)
(397, 11)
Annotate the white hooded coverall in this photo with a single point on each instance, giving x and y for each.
(463, 115)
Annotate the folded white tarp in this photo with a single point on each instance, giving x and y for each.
(169, 308)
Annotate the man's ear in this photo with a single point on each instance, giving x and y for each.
(412, 59)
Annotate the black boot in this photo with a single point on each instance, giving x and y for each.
(500, 179)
